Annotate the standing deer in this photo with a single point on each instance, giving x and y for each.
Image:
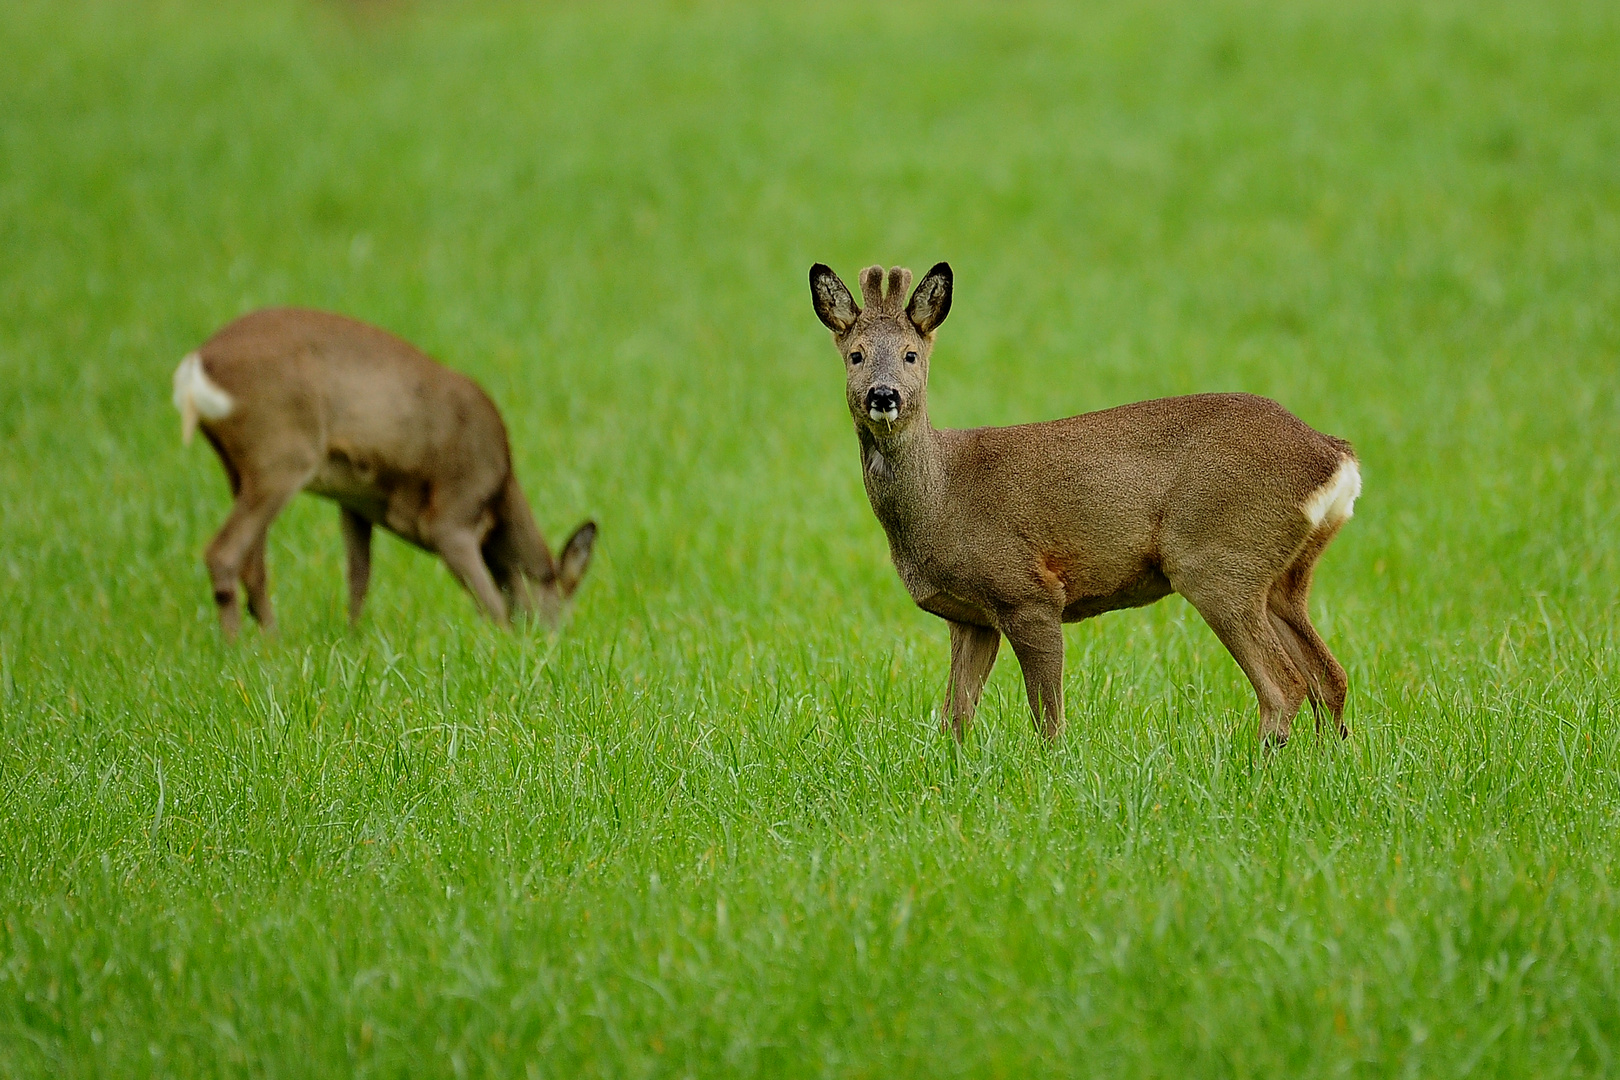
(294, 400)
(1227, 499)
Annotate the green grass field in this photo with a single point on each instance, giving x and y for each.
(713, 829)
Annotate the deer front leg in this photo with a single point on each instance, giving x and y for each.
(357, 544)
(1036, 636)
(459, 548)
(973, 654)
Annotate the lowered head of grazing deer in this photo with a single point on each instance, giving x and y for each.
(296, 400)
(1227, 499)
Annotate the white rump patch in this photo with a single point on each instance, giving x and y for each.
(196, 395)
(1335, 501)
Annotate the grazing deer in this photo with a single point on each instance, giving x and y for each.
(1227, 499)
(298, 400)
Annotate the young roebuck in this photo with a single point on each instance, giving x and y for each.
(1227, 499)
(298, 400)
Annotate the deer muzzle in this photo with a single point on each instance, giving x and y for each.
(883, 403)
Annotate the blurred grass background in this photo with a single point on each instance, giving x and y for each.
(712, 828)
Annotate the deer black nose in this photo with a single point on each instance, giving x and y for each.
(883, 403)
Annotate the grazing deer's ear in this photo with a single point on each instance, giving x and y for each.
(932, 300)
(576, 556)
(834, 306)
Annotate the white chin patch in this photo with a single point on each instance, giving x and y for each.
(891, 415)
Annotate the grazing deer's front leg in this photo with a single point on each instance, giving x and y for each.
(506, 568)
(460, 549)
(1036, 635)
(973, 654)
(357, 543)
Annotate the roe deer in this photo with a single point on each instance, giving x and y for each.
(1227, 499)
(294, 400)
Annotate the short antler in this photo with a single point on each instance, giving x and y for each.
(894, 301)
(872, 288)
(899, 285)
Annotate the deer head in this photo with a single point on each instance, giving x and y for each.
(886, 343)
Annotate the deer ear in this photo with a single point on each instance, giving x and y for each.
(834, 306)
(932, 300)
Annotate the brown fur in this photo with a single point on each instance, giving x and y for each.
(1013, 531)
(330, 405)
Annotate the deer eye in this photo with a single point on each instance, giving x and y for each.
(911, 357)
(856, 357)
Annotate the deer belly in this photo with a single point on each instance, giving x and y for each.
(354, 482)
(1148, 587)
(955, 609)
(376, 494)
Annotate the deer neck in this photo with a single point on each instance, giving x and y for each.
(905, 479)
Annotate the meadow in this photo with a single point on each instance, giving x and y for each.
(712, 828)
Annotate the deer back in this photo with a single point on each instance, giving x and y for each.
(305, 382)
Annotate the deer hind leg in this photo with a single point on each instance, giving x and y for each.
(256, 581)
(257, 505)
(1241, 620)
(1037, 640)
(1288, 609)
(973, 654)
(357, 548)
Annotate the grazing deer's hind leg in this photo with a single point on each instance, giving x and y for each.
(973, 654)
(1303, 659)
(1287, 606)
(357, 545)
(1334, 683)
(256, 507)
(257, 582)
(1037, 639)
